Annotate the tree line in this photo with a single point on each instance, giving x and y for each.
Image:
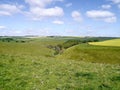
(69, 43)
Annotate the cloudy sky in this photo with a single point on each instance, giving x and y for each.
(60, 17)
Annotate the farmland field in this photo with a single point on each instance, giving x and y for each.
(33, 64)
(114, 42)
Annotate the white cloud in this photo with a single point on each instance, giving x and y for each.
(77, 16)
(115, 1)
(7, 9)
(39, 13)
(5, 13)
(68, 4)
(106, 6)
(41, 3)
(58, 22)
(110, 19)
(99, 14)
(38, 3)
(103, 15)
(2, 27)
(38, 9)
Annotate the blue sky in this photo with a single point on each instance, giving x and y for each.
(60, 17)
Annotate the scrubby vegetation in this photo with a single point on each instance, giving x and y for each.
(14, 39)
(36, 65)
(69, 42)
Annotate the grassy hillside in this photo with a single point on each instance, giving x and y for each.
(98, 54)
(34, 47)
(33, 66)
(113, 42)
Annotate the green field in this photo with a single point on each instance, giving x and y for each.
(27, 64)
(95, 54)
(113, 42)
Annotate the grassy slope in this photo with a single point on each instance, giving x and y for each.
(37, 47)
(114, 42)
(99, 54)
(31, 66)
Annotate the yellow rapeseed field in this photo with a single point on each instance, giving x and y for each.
(113, 42)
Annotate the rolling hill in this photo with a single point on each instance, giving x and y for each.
(30, 65)
(91, 53)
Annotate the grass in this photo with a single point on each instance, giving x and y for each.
(113, 42)
(32, 66)
(32, 73)
(95, 54)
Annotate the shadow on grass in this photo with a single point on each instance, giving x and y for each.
(104, 87)
(116, 78)
(85, 75)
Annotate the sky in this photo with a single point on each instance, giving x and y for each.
(60, 18)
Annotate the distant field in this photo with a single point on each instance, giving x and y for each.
(113, 42)
(27, 64)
